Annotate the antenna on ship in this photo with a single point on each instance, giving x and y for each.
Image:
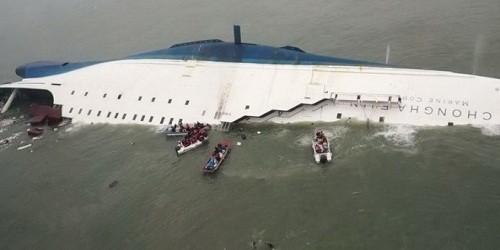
(237, 34)
(387, 54)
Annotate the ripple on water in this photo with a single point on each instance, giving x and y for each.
(399, 135)
(493, 130)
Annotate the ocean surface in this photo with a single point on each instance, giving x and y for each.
(387, 187)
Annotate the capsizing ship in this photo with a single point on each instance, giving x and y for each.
(221, 83)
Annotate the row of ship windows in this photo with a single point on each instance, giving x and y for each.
(139, 99)
(142, 118)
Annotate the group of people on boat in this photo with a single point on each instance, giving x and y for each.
(321, 145)
(195, 133)
(181, 128)
(216, 157)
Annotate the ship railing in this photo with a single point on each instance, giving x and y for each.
(348, 98)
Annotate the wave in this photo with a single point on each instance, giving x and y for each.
(492, 130)
(399, 135)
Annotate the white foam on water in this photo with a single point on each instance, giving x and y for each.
(159, 129)
(336, 132)
(492, 130)
(72, 129)
(7, 122)
(400, 135)
(11, 139)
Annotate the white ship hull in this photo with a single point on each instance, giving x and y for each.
(218, 82)
(216, 92)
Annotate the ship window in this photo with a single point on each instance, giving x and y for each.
(71, 110)
(359, 97)
(390, 98)
(153, 99)
(169, 101)
(135, 116)
(116, 115)
(171, 120)
(187, 102)
(247, 107)
(180, 121)
(90, 111)
(86, 93)
(104, 96)
(162, 120)
(381, 119)
(123, 117)
(399, 99)
(99, 113)
(72, 92)
(119, 96)
(140, 98)
(450, 124)
(80, 111)
(150, 119)
(339, 115)
(109, 114)
(203, 114)
(142, 118)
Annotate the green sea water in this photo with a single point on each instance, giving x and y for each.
(387, 187)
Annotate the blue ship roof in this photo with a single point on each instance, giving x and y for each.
(206, 50)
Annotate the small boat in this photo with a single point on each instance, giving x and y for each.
(171, 131)
(218, 155)
(176, 131)
(34, 132)
(180, 148)
(321, 148)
